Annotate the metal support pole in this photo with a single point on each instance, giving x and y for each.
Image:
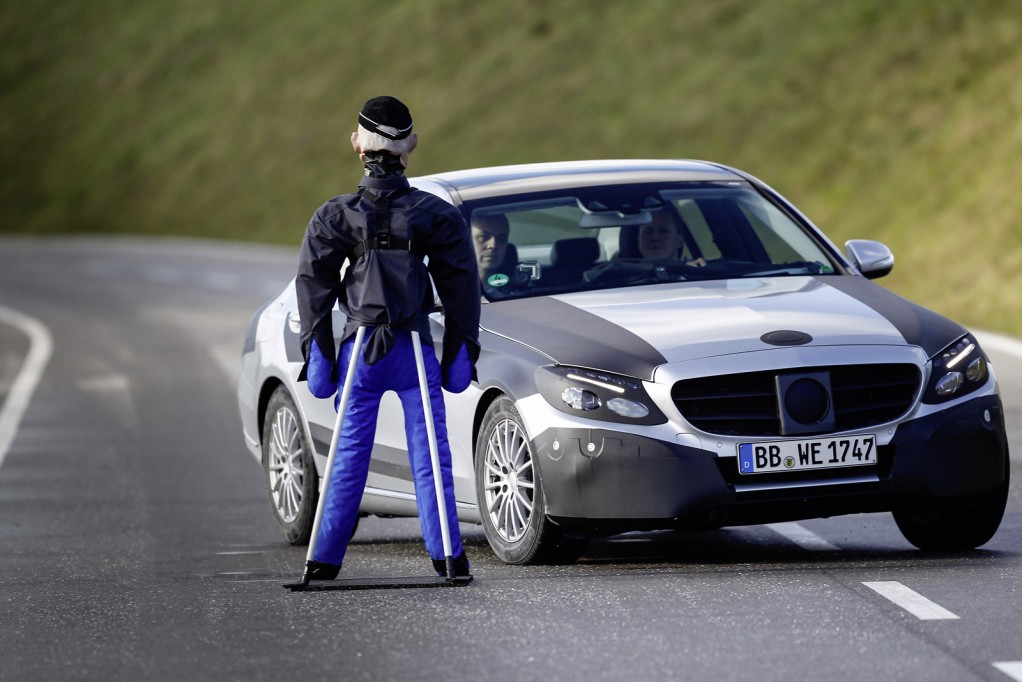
(435, 458)
(346, 392)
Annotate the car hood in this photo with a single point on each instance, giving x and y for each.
(633, 330)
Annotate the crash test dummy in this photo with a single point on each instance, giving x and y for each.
(394, 239)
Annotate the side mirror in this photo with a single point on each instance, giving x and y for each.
(873, 259)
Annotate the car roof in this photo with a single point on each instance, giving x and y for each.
(502, 180)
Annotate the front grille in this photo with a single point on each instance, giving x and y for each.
(748, 404)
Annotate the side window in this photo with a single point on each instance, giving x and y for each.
(534, 231)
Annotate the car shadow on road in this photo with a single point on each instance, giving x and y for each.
(737, 548)
(743, 547)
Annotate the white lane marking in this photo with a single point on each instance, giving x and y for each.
(1011, 668)
(906, 598)
(999, 342)
(221, 281)
(114, 389)
(163, 274)
(24, 385)
(110, 383)
(101, 267)
(253, 551)
(796, 533)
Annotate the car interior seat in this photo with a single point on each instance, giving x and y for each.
(629, 239)
(570, 258)
(511, 260)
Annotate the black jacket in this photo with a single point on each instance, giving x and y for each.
(386, 288)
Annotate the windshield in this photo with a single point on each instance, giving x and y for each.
(631, 235)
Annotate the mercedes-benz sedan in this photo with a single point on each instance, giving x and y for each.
(665, 344)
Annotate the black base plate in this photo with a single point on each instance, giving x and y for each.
(378, 583)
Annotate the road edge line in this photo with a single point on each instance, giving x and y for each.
(1000, 342)
(24, 385)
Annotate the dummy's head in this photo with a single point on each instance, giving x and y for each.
(385, 124)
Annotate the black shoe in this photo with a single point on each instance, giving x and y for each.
(320, 570)
(461, 566)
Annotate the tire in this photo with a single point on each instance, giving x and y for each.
(510, 496)
(942, 526)
(292, 481)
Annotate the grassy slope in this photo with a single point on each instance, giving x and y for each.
(898, 121)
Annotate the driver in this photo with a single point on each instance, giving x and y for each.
(490, 239)
(663, 238)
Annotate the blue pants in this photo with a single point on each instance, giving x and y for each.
(395, 372)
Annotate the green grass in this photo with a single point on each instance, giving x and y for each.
(892, 120)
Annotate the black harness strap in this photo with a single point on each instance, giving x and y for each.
(382, 238)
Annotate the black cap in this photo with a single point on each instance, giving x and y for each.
(387, 117)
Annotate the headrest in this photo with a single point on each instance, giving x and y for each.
(629, 240)
(511, 259)
(580, 252)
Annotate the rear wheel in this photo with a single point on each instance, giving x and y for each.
(940, 526)
(291, 474)
(510, 496)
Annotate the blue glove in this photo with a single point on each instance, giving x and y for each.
(318, 376)
(457, 377)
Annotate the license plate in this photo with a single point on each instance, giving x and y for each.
(801, 455)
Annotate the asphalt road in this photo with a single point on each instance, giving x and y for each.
(138, 542)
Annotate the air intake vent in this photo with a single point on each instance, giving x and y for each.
(748, 404)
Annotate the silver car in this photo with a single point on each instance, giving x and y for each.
(754, 374)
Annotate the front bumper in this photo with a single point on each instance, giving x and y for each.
(598, 479)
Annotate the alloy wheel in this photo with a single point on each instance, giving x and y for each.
(509, 483)
(285, 467)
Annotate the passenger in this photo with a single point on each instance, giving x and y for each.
(490, 239)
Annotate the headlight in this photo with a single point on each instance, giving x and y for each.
(958, 370)
(628, 408)
(597, 395)
(580, 399)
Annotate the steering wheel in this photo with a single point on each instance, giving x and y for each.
(635, 269)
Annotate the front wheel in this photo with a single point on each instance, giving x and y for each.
(291, 475)
(510, 496)
(940, 527)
